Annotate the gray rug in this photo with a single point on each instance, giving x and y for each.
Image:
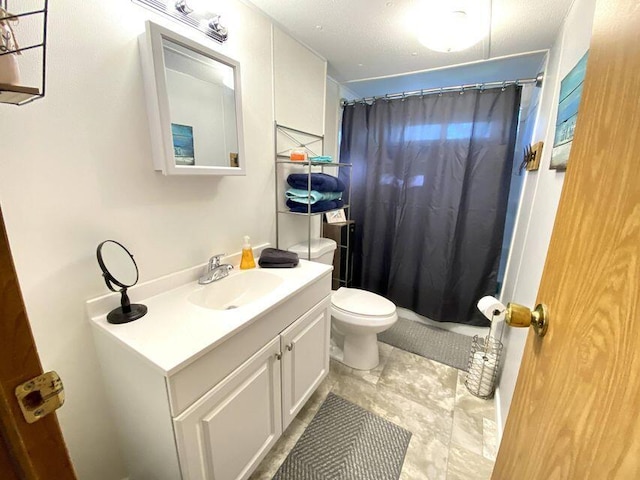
(446, 347)
(346, 442)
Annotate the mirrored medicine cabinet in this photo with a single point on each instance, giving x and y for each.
(194, 105)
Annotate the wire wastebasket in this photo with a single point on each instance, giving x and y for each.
(484, 361)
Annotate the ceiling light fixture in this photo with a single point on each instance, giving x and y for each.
(194, 13)
(452, 26)
(197, 10)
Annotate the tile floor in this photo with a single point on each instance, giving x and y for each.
(454, 433)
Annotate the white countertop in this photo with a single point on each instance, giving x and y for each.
(175, 331)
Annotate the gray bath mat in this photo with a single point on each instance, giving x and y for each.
(446, 347)
(346, 442)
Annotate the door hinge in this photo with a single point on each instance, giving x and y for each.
(40, 396)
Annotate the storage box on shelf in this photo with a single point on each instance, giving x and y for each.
(343, 234)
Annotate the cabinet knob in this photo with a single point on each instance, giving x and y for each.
(278, 356)
(290, 347)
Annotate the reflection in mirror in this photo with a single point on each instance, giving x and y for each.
(120, 269)
(201, 136)
(194, 105)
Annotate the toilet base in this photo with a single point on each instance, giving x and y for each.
(361, 351)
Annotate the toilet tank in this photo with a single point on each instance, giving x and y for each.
(322, 250)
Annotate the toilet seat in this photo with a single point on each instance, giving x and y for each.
(362, 308)
(362, 302)
(362, 320)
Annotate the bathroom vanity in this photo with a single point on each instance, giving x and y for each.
(202, 389)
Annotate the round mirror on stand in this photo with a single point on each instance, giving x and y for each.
(120, 269)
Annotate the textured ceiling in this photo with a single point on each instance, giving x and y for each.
(364, 39)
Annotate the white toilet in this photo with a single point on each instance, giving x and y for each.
(357, 316)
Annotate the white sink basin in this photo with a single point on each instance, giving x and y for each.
(238, 289)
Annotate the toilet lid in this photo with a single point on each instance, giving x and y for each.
(362, 302)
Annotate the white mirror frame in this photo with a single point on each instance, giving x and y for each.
(153, 70)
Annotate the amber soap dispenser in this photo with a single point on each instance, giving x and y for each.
(247, 260)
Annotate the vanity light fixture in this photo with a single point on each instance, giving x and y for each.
(454, 25)
(190, 12)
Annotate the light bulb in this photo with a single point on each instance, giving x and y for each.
(452, 26)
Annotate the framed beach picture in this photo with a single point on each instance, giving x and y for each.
(183, 144)
(337, 216)
(570, 94)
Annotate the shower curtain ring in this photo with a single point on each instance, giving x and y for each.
(440, 92)
(504, 86)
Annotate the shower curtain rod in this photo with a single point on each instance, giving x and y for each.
(461, 88)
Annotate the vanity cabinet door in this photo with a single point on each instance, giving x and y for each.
(305, 358)
(226, 433)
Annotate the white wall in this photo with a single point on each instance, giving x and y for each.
(300, 79)
(526, 121)
(333, 113)
(300, 89)
(540, 196)
(76, 168)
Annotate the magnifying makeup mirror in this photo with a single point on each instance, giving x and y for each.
(120, 269)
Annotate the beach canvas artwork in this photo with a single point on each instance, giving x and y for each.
(183, 144)
(570, 94)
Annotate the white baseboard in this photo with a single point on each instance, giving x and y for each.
(496, 398)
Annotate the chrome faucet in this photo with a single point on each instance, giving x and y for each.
(215, 270)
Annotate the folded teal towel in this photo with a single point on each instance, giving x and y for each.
(322, 159)
(306, 197)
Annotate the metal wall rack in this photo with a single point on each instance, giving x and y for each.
(19, 94)
(314, 145)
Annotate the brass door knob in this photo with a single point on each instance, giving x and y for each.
(520, 316)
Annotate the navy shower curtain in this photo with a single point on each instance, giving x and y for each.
(430, 182)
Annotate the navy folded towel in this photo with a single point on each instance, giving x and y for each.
(276, 258)
(320, 182)
(321, 206)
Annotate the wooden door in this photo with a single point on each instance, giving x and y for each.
(27, 451)
(225, 434)
(576, 408)
(305, 358)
